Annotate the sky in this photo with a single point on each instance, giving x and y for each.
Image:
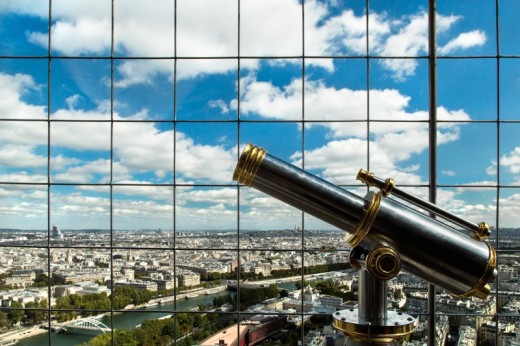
(167, 158)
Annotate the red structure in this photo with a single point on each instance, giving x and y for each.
(249, 333)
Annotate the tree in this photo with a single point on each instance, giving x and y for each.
(42, 280)
(15, 314)
(4, 321)
(171, 328)
(290, 338)
(65, 303)
(124, 337)
(199, 320)
(299, 284)
(34, 312)
(321, 319)
(100, 340)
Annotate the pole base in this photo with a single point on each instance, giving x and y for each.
(383, 331)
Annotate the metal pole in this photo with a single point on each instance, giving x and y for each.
(432, 73)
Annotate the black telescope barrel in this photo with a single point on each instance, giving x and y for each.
(427, 247)
(298, 188)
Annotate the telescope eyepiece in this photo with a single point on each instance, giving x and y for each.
(248, 164)
(383, 263)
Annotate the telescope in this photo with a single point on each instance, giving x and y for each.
(386, 235)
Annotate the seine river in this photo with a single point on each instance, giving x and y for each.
(127, 320)
(130, 320)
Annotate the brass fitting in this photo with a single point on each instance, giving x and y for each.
(369, 179)
(369, 216)
(482, 233)
(383, 263)
(248, 164)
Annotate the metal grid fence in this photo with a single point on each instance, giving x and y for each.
(173, 245)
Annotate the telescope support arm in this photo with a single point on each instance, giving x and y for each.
(372, 323)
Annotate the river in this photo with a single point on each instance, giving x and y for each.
(127, 320)
(130, 320)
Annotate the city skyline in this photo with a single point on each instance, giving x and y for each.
(116, 157)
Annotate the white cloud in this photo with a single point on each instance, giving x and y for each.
(30, 7)
(12, 106)
(142, 147)
(21, 203)
(219, 104)
(197, 161)
(23, 177)
(339, 160)
(206, 29)
(85, 172)
(24, 133)
(391, 144)
(149, 208)
(88, 209)
(140, 189)
(409, 41)
(72, 101)
(510, 210)
(260, 211)
(86, 35)
(138, 147)
(406, 36)
(463, 41)
(227, 196)
(270, 28)
(211, 208)
(12, 155)
(268, 100)
(81, 136)
(511, 161)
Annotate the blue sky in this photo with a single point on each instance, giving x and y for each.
(271, 89)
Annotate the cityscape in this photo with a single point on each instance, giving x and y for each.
(155, 275)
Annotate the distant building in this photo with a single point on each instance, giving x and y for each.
(187, 279)
(56, 233)
(487, 332)
(20, 279)
(467, 336)
(313, 338)
(419, 335)
(129, 274)
(332, 301)
(72, 277)
(81, 289)
(22, 296)
(140, 285)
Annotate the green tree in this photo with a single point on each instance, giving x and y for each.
(124, 337)
(34, 312)
(4, 321)
(42, 280)
(290, 338)
(299, 284)
(65, 303)
(15, 315)
(100, 340)
(171, 328)
(199, 320)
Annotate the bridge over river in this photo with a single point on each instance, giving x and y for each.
(83, 326)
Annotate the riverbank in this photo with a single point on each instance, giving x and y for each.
(132, 317)
(124, 320)
(12, 337)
